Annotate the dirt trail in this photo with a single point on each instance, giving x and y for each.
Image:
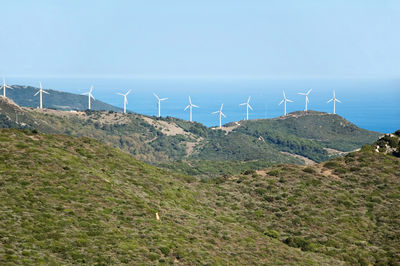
(305, 159)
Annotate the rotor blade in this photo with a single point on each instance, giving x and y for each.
(289, 100)
(222, 106)
(163, 99)
(186, 108)
(223, 114)
(250, 107)
(329, 100)
(45, 92)
(338, 101)
(190, 101)
(193, 105)
(155, 95)
(248, 100)
(92, 97)
(91, 88)
(120, 94)
(243, 104)
(302, 93)
(128, 92)
(284, 95)
(216, 112)
(36, 93)
(85, 93)
(281, 102)
(309, 91)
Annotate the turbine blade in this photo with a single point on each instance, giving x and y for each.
(163, 99)
(45, 92)
(284, 95)
(289, 100)
(190, 101)
(329, 100)
(92, 97)
(36, 93)
(186, 108)
(216, 112)
(309, 91)
(250, 107)
(248, 100)
(223, 114)
(338, 101)
(281, 102)
(193, 105)
(128, 92)
(243, 104)
(120, 94)
(302, 93)
(85, 93)
(155, 95)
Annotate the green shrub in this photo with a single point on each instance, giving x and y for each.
(309, 170)
(272, 233)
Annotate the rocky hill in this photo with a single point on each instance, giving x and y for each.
(193, 148)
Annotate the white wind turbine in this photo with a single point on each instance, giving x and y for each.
(220, 115)
(285, 100)
(334, 102)
(4, 87)
(90, 96)
(40, 92)
(125, 99)
(247, 107)
(159, 103)
(306, 94)
(190, 108)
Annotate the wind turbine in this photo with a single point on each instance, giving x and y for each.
(125, 99)
(40, 92)
(285, 100)
(220, 115)
(159, 103)
(247, 107)
(190, 108)
(306, 94)
(89, 94)
(4, 87)
(334, 102)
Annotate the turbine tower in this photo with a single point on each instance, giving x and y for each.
(190, 108)
(334, 102)
(247, 107)
(4, 87)
(89, 94)
(220, 115)
(285, 100)
(40, 92)
(125, 99)
(306, 94)
(159, 103)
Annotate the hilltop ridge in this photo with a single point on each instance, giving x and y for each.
(193, 148)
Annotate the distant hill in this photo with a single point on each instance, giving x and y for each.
(193, 148)
(23, 96)
(67, 200)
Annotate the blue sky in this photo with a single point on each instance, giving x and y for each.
(169, 38)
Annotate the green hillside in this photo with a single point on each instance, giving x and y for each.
(74, 200)
(79, 201)
(193, 148)
(24, 96)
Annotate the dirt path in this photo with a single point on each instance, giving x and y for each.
(305, 159)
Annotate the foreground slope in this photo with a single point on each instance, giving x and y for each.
(69, 200)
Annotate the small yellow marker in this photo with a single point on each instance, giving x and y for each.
(157, 217)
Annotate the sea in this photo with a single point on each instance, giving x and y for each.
(370, 103)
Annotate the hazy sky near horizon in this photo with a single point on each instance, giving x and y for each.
(225, 38)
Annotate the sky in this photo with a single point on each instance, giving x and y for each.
(208, 38)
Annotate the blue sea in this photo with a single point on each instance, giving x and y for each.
(372, 104)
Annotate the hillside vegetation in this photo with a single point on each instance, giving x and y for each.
(24, 96)
(190, 147)
(75, 200)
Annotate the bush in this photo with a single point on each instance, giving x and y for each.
(299, 242)
(272, 233)
(331, 165)
(309, 170)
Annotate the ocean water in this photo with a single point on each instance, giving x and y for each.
(372, 104)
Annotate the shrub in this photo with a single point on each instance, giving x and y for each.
(331, 164)
(309, 170)
(272, 233)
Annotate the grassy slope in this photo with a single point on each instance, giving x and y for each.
(67, 200)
